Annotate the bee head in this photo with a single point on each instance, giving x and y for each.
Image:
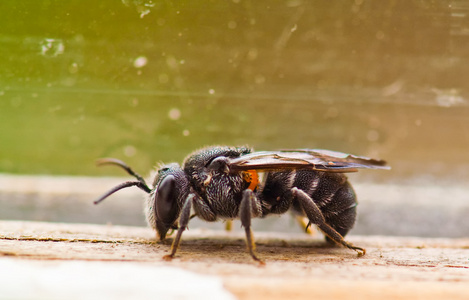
(164, 204)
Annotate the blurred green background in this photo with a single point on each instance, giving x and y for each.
(150, 81)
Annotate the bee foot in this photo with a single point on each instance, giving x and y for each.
(258, 260)
(360, 251)
(261, 263)
(168, 257)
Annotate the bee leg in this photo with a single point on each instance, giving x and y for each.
(299, 215)
(316, 217)
(183, 222)
(249, 208)
(306, 225)
(229, 225)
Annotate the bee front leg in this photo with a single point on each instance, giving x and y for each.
(250, 207)
(183, 222)
(316, 217)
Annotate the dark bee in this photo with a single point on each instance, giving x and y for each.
(222, 182)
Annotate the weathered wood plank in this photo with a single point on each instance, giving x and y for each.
(296, 264)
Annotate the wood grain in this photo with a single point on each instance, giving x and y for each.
(297, 265)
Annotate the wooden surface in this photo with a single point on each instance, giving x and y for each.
(297, 265)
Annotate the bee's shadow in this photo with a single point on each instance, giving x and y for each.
(233, 249)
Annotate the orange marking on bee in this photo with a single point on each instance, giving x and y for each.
(252, 177)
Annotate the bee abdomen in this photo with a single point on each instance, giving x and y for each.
(340, 212)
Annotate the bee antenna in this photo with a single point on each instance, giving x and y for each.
(123, 186)
(123, 165)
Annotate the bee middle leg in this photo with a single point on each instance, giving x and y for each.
(316, 217)
(250, 207)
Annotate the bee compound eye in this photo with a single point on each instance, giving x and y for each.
(166, 200)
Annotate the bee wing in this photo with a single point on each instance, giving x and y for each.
(314, 159)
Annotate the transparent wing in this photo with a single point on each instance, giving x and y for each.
(315, 159)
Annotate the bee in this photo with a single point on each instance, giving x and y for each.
(222, 182)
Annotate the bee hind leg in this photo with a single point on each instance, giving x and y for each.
(316, 217)
(250, 207)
